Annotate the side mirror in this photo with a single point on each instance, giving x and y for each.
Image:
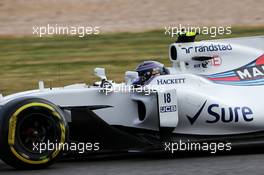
(100, 72)
(131, 76)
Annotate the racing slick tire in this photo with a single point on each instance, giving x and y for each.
(27, 125)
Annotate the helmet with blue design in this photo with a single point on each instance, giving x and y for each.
(149, 69)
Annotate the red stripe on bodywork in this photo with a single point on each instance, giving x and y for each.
(260, 60)
(225, 79)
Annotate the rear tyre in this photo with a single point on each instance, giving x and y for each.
(32, 133)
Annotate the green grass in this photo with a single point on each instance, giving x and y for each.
(61, 60)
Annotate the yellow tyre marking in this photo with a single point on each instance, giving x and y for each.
(27, 160)
(12, 131)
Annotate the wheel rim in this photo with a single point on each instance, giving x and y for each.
(36, 126)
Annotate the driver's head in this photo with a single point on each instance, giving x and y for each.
(148, 69)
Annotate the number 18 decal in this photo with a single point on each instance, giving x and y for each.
(167, 97)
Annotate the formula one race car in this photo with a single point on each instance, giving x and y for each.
(213, 92)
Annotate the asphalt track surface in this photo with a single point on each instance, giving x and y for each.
(248, 164)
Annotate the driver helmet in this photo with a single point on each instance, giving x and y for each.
(149, 69)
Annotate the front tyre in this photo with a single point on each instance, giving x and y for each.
(32, 133)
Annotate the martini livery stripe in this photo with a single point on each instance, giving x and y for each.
(252, 74)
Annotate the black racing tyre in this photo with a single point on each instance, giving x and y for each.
(32, 133)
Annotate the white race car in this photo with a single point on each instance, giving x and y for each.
(212, 92)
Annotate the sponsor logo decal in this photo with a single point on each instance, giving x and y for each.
(250, 73)
(227, 115)
(216, 114)
(170, 81)
(171, 108)
(207, 48)
(214, 62)
(195, 117)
